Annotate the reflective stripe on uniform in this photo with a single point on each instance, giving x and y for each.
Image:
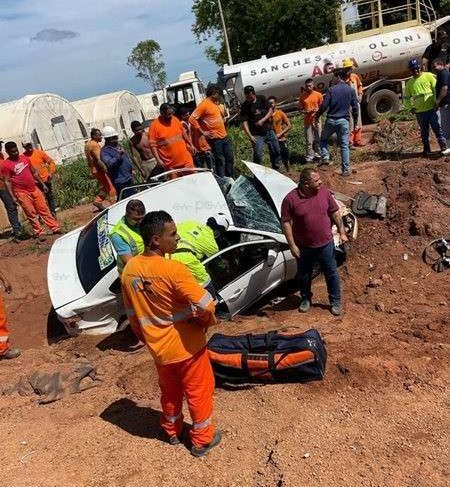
(203, 424)
(172, 419)
(166, 320)
(204, 302)
(4, 338)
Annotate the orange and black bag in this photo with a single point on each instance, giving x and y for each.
(269, 357)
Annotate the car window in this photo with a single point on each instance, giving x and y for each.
(94, 254)
(233, 263)
(249, 204)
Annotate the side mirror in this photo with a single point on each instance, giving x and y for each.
(271, 257)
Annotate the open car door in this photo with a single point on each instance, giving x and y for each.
(245, 272)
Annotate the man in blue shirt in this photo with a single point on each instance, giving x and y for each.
(443, 98)
(120, 169)
(339, 100)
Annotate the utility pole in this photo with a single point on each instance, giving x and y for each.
(225, 35)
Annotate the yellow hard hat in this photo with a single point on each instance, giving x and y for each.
(347, 63)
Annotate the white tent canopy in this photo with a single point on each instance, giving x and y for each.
(116, 109)
(150, 103)
(51, 122)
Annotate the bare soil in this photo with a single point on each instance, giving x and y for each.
(380, 417)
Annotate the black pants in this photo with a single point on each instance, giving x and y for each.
(223, 156)
(50, 197)
(119, 186)
(284, 151)
(11, 211)
(204, 159)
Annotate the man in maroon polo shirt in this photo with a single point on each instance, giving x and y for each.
(307, 214)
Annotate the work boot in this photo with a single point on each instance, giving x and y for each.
(305, 305)
(11, 353)
(445, 151)
(336, 309)
(201, 451)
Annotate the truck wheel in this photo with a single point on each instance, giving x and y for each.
(382, 103)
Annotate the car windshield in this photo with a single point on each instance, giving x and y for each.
(250, 204)
(95, 257)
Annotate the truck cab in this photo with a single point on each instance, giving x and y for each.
(188, 91)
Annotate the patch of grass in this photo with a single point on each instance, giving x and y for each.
(74, 183)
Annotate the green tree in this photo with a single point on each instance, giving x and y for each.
(147, 60)
(442, 7)
(264, 27)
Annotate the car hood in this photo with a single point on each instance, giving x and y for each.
(277, 185)
(64, 286)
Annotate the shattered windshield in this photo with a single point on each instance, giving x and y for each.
(250, 205)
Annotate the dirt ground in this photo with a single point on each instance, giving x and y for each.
(379, 418)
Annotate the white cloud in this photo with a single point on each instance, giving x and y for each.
(94, 61)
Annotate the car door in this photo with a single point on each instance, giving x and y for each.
(245, 272)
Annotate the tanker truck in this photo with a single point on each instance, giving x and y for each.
(379, 36)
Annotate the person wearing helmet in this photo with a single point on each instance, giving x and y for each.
(420, 99)
(198, 242)
(120, 169)
(354, 80)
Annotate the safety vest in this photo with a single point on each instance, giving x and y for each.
(131, 237)
(196, 242)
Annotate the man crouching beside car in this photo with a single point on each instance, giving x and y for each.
(307, 215)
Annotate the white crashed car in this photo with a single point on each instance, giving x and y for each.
(254, 259)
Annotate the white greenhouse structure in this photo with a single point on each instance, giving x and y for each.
(116, 109)
(51, 122)
(150, 103)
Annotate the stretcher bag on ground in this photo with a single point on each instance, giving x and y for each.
(270, 357)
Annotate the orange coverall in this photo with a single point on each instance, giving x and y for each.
(92, 151)
(356, 133)
(169, 312)
(4, 331)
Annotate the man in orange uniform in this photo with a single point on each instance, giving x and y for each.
(21, 177)
(209, 120)
(169, 143)
(6, 352)
(46, 168)
(309, 103)
(281, 125)
(99, 170)
(354, 80)
(170, 312)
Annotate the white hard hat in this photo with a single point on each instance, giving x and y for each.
(219, 222)
(108, 132)
(26, 140)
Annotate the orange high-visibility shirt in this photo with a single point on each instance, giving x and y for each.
(279, 121)
(43, 163)
(92, 150)
(310, 103)
(356, 83)
(208, 117)
(168, 310)
(167, 138)
(199, 141)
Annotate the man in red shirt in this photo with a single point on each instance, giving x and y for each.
(20, 177)
(307, 214)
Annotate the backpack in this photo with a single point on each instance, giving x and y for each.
(269, 357)
(366, 204)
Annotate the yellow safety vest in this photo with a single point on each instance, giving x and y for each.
(131, 237)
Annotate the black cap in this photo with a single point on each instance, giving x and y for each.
(249, 89)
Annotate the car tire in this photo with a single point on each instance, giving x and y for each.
(382, 103)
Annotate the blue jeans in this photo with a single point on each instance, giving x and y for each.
(271, 140)
(325, 257)
(119, 186)
(11, 210)
(223, 156)
(341, 127)
(426, 120)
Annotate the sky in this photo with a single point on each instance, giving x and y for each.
(79, 48)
